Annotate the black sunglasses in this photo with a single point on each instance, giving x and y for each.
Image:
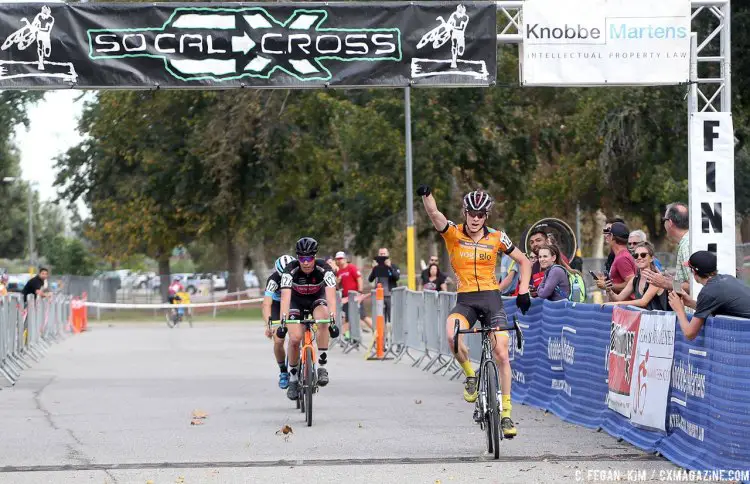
(641, 255)
(476, 213)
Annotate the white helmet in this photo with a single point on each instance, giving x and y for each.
(478, 200)
(282, 262)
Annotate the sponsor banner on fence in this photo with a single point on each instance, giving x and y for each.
(138, 45)
(712, 210)
(598, 42)
(622, 350)
(653, 370)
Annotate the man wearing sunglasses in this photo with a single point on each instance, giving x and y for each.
(474, 251)
(307, 285)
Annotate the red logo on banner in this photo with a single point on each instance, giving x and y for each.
(622, 349)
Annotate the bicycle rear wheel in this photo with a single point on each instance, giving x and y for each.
(308, 386)
(492, 418)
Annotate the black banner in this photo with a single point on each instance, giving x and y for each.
(104, 45)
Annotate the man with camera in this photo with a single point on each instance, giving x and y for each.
(386, 273)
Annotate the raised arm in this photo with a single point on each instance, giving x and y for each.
(439, 221)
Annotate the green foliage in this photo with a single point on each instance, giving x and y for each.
(218, 171)
(70, 256)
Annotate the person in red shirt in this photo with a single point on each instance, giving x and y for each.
(350, 279)
(538, 238)
(623, 268)
(174, 288)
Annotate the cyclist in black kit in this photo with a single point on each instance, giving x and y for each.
(308, 284)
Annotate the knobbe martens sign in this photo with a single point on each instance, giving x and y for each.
(233, 45)
(600, 42)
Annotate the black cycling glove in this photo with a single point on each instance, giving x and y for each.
(523, 301)
(423, 190)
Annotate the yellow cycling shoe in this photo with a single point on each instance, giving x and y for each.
(509, 428)
(470, 389)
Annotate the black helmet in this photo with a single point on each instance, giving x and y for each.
(307, 246)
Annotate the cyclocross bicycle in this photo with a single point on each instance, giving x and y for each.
(308, 373)
(488, 406)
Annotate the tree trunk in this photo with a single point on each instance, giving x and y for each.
(745, 229)
(599, 221)
(164, 276)
(235, 266)
(260, 261)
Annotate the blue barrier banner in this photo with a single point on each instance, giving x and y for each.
(563, 368)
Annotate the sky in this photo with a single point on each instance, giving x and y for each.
(52, 130)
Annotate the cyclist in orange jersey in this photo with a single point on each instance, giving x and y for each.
(474, 251)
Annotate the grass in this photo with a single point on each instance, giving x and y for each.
(224, 314)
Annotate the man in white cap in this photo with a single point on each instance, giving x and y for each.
(350, 279)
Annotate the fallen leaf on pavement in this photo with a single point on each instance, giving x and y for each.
(285, 430)
(199, 414)
(360, 425)
(196, 421)
(179, 480)
(418, 402)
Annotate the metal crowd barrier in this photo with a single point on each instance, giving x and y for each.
(27, 333)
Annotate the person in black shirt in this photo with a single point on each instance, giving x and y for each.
(307, 285)
(426, 273)
(386, 273)
(435, 280)
(721, 295)
(35, 286)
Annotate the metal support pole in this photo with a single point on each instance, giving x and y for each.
(692, 108)
(31, 225)
(578, 227)
(410, 250)
(725, 51)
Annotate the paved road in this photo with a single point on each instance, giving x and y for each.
(114, 405)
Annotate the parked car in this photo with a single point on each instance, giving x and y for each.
(16, 282)
(208, 280)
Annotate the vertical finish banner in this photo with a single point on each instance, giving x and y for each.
(653, 370)
(622, 350)
(172, 45)
(604, 42)
(712, 209)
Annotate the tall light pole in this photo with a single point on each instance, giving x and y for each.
(410, 249)
(30, 204)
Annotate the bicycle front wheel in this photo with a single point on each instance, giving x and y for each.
(170, 323)
(492, 419)
(308, 387)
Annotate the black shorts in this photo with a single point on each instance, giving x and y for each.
(300, 305)
(484, 306)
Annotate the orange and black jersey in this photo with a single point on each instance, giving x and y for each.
(474, 262)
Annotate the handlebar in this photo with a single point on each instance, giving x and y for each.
(281, 331)
(489, 329)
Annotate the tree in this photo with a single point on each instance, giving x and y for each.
(14, 223)
(134, 172)
(70, 256)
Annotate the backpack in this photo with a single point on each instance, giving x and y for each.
(577, 286)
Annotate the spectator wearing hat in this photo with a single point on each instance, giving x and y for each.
(722, 294)
(349, 278)
(623, 265)
(607, 238)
